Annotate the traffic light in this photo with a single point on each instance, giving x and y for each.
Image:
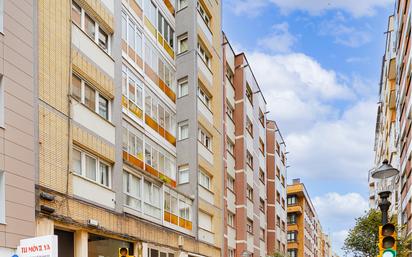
(387, 240)
(123, 252)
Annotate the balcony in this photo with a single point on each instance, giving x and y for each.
(230, 128)
(250, 209)
(230, 160)
(93, 192)
(295, 209)
(231, 201)
(206, 236)
(250, 243)
(205, 111)
(205, 29)
(206, 195)
(205, 71)
(205, 153)
(231, 237)
(90, 49)
(92, 121)
(230, 92)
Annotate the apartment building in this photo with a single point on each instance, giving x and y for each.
(386, 132)
(326, 248)
(276, 190)
(123, 86)
(402, 70)
(255, 165)
(17, 124)
(304, 229)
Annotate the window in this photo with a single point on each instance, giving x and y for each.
(230, 183)
(205, 221)
(177, 205)
(76, 87)
(204, 55)
(277, 196)
(278, 221)
(87, 95)
(262, 205)
(132, 188)
(133, 143)
(230, 147)
(249, 193)
(183, 130)
(204, 180)
(150, 11)
(262, 234)
(160, 159)
(283, 181)
(277, 172)
(249, 127)
(249, 93)
(131, 34)
(151, 199)
(231, 253)
(91, 167)
(230, 111)
(76, 14)
(165, 29)
(292, 200)
(182, 4)
(159, 112)
(291, 219)
(262, 117)
(292, 236)
(89, 26)
(283, 203)
(183, 87)
(184, 174)
(103, 40)
(283, 226)
(230, 219)
(182, 44)
(249, 159)
(204, 97)
(249, 226)
(261, 146)
(262, 176)
(229, 74)
(205, 139)
(2, 198)
(202, 11)
(293, 253)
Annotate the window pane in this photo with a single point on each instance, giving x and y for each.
(103, 107)
(90, 168)
(77, 162)
(89, 97)
(131, 35)
(104, 174)
(89, 26)
(76, 14)
(124, 27)
(76, 87)
(103, 40)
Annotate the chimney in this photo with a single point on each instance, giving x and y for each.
(296, 181)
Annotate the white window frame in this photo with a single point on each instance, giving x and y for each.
(151, 199)
(128, 194)
(183, 83)
(183, 126)
(205, 180)
(204, 97)
(205, 16)
(97, 27)
(230, 183)
(83, 155)
(204, 54)
(230, 147)
(184, 172)
(180, 39)
(2, 197)
(249, 193)
(205, 139)
(230, 219)
(182, 4)
(97, 95)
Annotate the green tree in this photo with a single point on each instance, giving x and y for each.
(362, 240)
(277, 254)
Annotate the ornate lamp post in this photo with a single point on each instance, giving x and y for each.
(382, 173)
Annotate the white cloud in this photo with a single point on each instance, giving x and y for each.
(338, 207)
(280, 40)
(344, 34)
(314, 7)
(327, 119)
(342, 209)
(355, 59)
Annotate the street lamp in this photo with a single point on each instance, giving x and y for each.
(382, 173)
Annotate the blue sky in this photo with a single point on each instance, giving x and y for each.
(318, 63)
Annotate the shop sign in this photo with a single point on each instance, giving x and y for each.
(44, 246)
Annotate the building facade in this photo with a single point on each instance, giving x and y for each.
(17, 124)
(115, 82)
(255, 196)
(305, 235)
(393, 130)
(386, 132)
